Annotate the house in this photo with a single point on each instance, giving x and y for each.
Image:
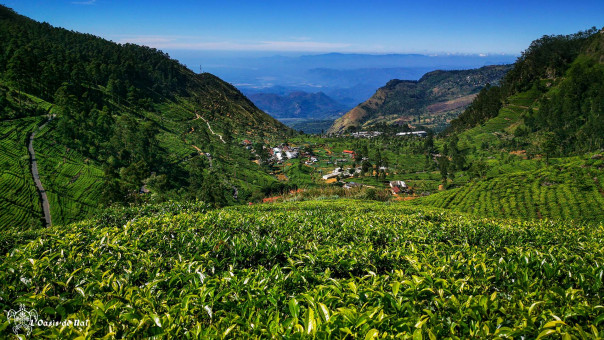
(291, 154)
(330, 175)
(400, 184)
(397, 187)
(246, 142)
(335, 173)
(348, 152)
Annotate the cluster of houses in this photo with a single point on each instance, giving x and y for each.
(414, 133)
(366, 134)
(342, 173)
(279, 153)
(371, 134)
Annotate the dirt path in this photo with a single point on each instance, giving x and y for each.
(36, 176)
(209, 127)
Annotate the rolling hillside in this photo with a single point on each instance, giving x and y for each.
(546, 115)
(434, 100)
(571, 191)
(127, 119)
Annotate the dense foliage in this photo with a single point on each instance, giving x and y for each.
(127, 119)
(547, 57)
(329, 269)
(485, 106)
(565, 76)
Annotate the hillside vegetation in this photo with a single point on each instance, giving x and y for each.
(556, 92)
(319, 268)
(569, 191)
(126, 118)
(545, 114)
(434, 100)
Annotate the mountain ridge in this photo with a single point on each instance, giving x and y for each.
(406, 101)
(131, 124)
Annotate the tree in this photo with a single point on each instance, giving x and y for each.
(548, 144)
(443, 166)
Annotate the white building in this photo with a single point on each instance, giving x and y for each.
(414, 133)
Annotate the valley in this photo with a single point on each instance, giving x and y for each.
(156, 202)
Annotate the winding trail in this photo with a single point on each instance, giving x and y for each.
(36, 175)
(209, 127)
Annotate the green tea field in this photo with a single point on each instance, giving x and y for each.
(19, 201)
(324, 269)
(569, 191)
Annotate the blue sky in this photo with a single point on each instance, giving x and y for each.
(376, 26)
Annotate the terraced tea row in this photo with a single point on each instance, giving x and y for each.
(19, 201)
(329, 269)
(73, 183)
(571, 191)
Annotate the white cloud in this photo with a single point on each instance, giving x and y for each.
(192, 43)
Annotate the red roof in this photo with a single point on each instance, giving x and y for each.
(396, 190)
(348, 151)
(247, 142)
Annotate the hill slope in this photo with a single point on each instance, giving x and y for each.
(126, 117)
(556, 92)
(570, 191)
(330, 269)
(436, 98)
(548, 106)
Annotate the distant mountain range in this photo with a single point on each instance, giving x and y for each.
(347, 78)
(434, 100)
(298, 104)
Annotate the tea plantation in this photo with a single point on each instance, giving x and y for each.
(324, 269)
(19, 200)
(572, 190)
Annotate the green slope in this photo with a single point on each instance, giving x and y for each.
(550, 105)
(126, 116)
(329, 269)
(434, 100)
(19, 200)
(570, 191)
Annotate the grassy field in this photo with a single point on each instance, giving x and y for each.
(19, 200)
(325, 269)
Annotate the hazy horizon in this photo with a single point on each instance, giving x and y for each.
(314, 27)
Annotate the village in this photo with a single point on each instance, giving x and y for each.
(319, 164)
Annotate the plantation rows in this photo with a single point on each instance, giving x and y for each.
(73, 185)
(19, 201)
(567, 192)
(329, 269)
